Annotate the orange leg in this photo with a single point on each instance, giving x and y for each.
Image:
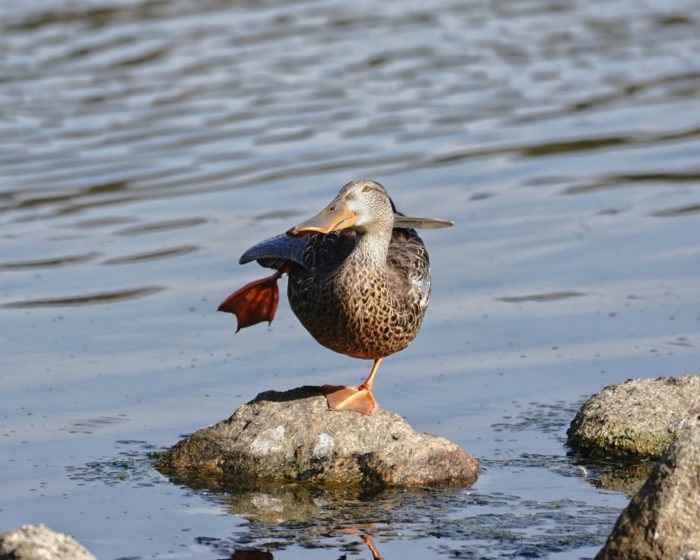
(255, 302)
(373, 549)
(365, 538)
(359, 399)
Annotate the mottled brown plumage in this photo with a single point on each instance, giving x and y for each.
(359, 280)
(365, 308)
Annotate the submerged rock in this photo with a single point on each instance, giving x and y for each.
(38, 542)
(291, 436)
(663, 520)
(638, 417)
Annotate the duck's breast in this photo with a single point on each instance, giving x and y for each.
(362, 310)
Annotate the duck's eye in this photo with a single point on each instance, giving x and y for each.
(366, 188)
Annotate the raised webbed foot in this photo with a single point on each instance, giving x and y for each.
(255, 302)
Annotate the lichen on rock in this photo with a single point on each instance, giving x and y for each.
(292, 437)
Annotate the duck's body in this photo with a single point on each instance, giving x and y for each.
(365, 307)
(359, 282)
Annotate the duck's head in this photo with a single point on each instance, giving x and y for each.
(365, 207)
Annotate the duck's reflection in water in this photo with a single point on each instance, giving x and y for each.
(251, 554)
(256, 554)
(373, 549)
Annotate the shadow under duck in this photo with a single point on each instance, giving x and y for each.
(359, 281)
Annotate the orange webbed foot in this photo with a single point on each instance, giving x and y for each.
(255, 302)
(359, 399)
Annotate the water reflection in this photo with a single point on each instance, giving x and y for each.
(161, 226)
(324, 516)
(464, 521)
(251, 554)
(256, 554)
(635, 179)
(679, 211)
(51, 262)
(159, 99)
(152, 255)
(86, 299)
(552, 296)
(624, 476)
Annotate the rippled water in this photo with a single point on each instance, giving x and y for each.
(144, 145)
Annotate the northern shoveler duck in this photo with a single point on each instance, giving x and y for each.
(359, 281)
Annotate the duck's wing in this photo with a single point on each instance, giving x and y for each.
(318, 253)
(276, 251)
(257, 301)
(408, 264)
(325, 252)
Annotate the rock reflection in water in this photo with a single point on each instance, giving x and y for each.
(334, 517)
(457, 522)
(620, 475)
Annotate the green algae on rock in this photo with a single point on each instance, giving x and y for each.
(641, 417)
(292, 437)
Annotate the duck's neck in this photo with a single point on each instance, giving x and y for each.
(372, 248)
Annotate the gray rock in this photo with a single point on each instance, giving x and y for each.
(638, 417)
(292, 437)
(663, 520)
(37, 542)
